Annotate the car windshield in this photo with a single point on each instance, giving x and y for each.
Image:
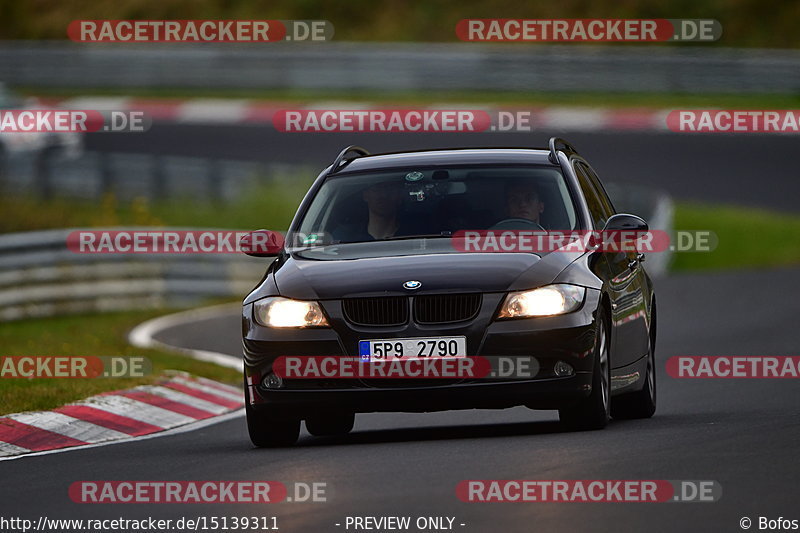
(393, 210)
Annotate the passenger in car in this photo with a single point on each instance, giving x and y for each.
(383, 205)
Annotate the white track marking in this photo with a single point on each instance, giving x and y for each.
(7, 449)
(218, 385)
(213, 110)
(235, 396)
(198, 424)
(575, 118)
(98, 103)
(67, 426)
(183, 398)
(143, 412)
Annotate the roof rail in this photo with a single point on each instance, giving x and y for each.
(554, 141)
(339, 158)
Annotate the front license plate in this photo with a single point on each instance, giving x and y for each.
(423, 347)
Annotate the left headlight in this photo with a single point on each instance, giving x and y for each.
(277, 312)
(544, 301)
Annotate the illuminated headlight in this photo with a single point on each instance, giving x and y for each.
(544, 301)
(277, 312)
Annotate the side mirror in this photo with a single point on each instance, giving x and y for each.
(262, 243)
(620, 234)
(625, 222)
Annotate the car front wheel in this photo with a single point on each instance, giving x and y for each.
(593, 411)
(270, 428)
(330, 424)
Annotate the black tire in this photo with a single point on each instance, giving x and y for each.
(330, 424)
(269, 428)
(593, 412)
(641, 403)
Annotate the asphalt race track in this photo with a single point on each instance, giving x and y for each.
(752, 170)
(740, 433)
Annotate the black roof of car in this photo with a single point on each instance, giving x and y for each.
(364, 161)
(460, 156)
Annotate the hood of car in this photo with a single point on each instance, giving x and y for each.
(414, 274)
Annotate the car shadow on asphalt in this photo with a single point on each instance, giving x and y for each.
(480, 431)
(502, 430)
(622, 429)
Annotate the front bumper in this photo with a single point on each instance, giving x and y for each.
(567, 338)
(537, 394)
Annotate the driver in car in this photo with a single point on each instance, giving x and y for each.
(523, 201)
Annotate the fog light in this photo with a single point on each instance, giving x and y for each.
(272, 381)
(563, 369)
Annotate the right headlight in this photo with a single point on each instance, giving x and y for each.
(278, 312)
(549, 300)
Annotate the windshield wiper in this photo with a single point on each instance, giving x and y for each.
(444, 234)
(441, 235)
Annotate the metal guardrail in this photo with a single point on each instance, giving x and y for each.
(401, 67)
(40, 277)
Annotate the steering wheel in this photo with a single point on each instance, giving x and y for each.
(516, 223)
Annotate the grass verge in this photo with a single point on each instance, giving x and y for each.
(747, 237)
(269, 206)
(95, 334)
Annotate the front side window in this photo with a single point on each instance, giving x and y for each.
(593, 202)
(605, 201)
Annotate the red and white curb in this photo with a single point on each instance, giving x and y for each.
(178, 400)
(237, 111)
